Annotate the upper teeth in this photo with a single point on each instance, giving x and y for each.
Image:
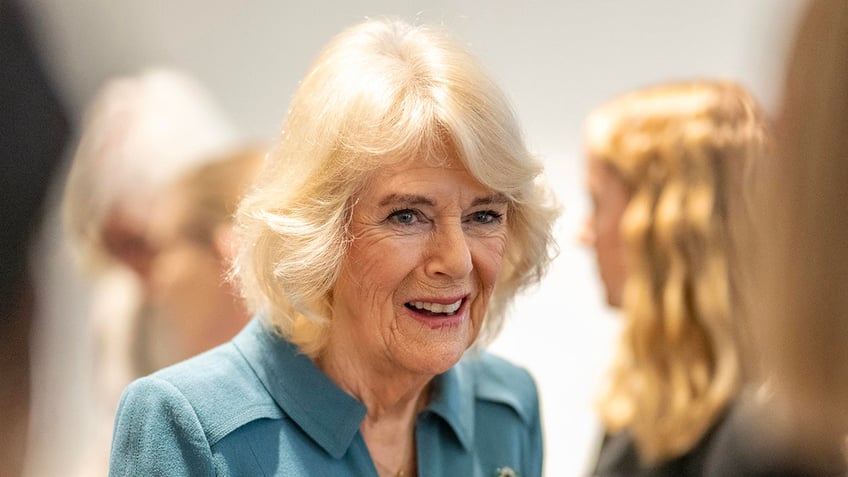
(437, 307)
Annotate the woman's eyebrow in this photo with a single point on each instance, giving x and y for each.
(496, 198)
(406, 199)
(413, 200)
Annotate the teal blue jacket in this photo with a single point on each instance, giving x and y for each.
(257, 407)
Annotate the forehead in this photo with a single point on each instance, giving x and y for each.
(602, 176)
(597, 168)
(427, 177)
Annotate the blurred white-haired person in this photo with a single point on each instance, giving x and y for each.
(140, 133)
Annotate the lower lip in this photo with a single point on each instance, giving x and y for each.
(441, 321)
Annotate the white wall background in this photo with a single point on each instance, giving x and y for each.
(556, 59)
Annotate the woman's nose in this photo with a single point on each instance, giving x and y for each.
(586, 236)
(450, 254)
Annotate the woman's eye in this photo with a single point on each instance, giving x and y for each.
(486, 217)
(403, 217)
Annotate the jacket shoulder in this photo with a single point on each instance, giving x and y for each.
(220, 387)
(498, 380)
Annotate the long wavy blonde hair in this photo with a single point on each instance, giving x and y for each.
(682, 149)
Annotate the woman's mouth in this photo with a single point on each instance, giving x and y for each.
(435, 308)
(438, 315)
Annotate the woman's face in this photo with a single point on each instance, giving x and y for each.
(602, 229)
(188, 284)
(124, 236)
(427, 247)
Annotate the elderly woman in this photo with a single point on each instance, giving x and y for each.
(666, 167)
(392, 224)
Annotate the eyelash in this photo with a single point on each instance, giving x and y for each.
(396, 212)
(496, 217)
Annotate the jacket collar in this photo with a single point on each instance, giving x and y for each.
(326, 413)
(453, 401)
(330, 416)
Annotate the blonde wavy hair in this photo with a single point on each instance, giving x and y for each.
(380, 93)
(683, 150)
(212, 191)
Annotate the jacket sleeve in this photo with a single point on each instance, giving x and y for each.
(157, 432)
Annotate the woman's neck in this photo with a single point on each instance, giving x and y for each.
(393, 398)
(387, 393)
(390, 439)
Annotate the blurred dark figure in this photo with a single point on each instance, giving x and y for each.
(33, 133)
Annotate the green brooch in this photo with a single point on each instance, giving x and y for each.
(505, 472)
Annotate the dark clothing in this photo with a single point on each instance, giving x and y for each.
(33, 133)
(732, 447)
(619, 457)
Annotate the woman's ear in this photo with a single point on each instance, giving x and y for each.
(222, 239)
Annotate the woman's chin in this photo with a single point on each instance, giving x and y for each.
(434, 344)
(431, 363)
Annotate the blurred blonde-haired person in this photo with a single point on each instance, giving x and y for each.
(666, 172)
(191, 234)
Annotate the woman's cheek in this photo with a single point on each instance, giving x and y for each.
(491, 258)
